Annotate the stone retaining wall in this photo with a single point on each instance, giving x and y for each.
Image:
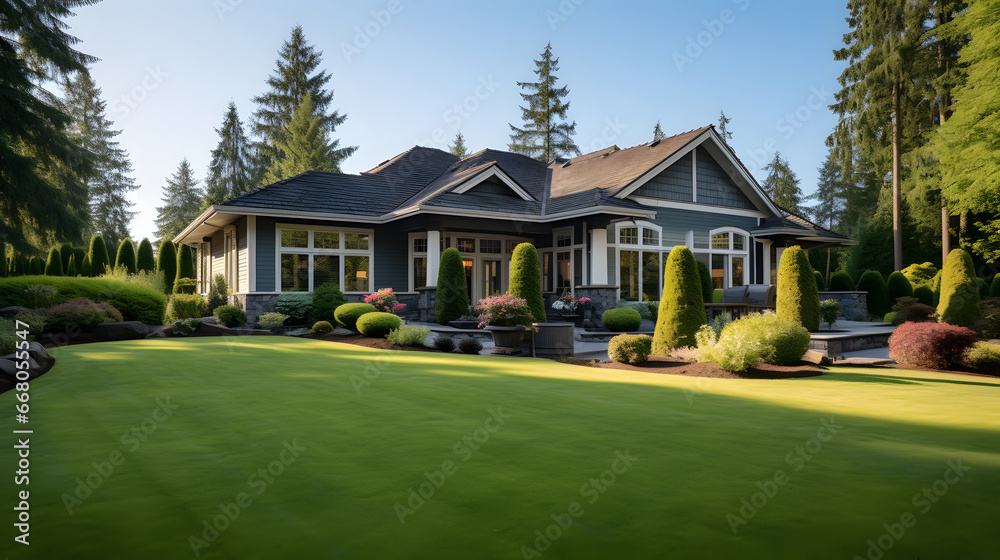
(852, 304)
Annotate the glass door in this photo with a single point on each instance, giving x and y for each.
(470, 285)
(490, 277)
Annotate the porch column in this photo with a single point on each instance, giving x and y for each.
(599, 257)
(433, 256)
(767, 260)
(689, 239)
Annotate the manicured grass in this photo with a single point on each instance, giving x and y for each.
(701, 446)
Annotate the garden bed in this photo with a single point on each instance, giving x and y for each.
(677, 366)
(379, 343)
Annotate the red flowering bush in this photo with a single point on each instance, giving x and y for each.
(930, 345)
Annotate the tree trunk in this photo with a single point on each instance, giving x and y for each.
(827, 279)
(897, 218)
(943, 103)
(945, 234)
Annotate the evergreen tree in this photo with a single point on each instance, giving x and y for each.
(798, 290)
(41, 195)
(85, 267)
(71, 270)
(658, 133)
(185, 263)
(53, 266)
(229, 173)
(181, 201)
(525, 279)
(98, 256)
(452, 298)
(126, 256)
(682, 307)
(295, 76)
(108, 182)
(304, 145)
(724, 132)
(66, 251)
(166, 263)
(829, 196)
(544, 137)
(144, 260)
(458, 147)
(782, 185)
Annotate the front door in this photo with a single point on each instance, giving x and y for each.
(489, 281)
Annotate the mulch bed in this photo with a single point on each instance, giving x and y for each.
(676, 366)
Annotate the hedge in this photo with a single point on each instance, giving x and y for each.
(71, 269)
(798, 297)
(959, 304)
(841, 282)
(878, 298)
(820, 282)
(525, 279)
(995, 286)
(898, 286)
(377, 324)
(136, 302)
(924, 294)
(185, 263)
(984, 288)
(230, 316)
(621, 319)
(349, 313)
(451, 299)
(682, 309)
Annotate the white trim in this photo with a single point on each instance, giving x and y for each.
(698, 207)
(433, 256)
(599, 256)
(662, 166)
(493, 171)
(252, 252)
(639, 225)
(694, 175)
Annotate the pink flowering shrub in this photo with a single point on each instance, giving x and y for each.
(930, 345)
(584, 301)
(503, 311)
(385, 301)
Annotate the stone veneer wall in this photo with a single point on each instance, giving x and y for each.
(852, 304)
(602, 298)
(424, 304)
(254, 305)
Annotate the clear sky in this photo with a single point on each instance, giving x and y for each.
(415, 72)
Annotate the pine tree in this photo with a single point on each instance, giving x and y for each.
(544, 137)
(304, 144)
(295, 76)
(724, 132)
(658, 133)
(108, 183)
(829, 196)
(458, 147)
(229, 173)
(782, 185)
(181, 201)
(41, 195)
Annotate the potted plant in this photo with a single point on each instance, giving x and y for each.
(467, 321)
(567, 306)
(505, 316)
(385, 300)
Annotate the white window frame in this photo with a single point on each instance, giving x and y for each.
(660, 249)
(410, 256)
(727, 281)
(311, 252)
(231, 257)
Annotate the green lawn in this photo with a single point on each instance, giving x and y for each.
(695, 448)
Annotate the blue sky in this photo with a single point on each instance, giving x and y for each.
(408, 72)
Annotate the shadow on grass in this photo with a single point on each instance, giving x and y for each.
(899, 380)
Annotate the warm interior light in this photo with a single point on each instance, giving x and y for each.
(362, 274)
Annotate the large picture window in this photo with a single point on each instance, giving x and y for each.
(728, 258)
(640, 261)
(311, 256)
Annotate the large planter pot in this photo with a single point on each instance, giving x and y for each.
(574, 318)
(506, 340)
(553, 339)
(464, 324)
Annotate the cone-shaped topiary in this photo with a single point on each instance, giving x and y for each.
(841, 282)
(37, 266)
(878, 298)
(798, 296)
(53, 266)
(707, 289)
(959, 303)
(185, 263)
(166, 263)
(995, 286)
(65, 250)
(820, 282)
(936, 287)
(898, 286)
(144, 259)
(126, 256)
(525, 279)
(85, 267)
(452, 297)
(682, 307)
(71, 268)
(98, 254)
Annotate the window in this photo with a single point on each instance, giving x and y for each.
(356, 273)
(326, 240)
(720, 241)
(564, 240)
(564, 278)
(629, 275)
(309, 258)
(511, 245)
(465, 245)
(547, 271)
(326, 268)
(628, 236)
(356, 241)
(651, 288)
(728, 258)
(650, 237)
(739, 242)
(419, 271)
(294, 238)
(491, 246)
(294, 272)
(420, 245)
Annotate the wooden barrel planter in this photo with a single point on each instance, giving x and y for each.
(553, 339)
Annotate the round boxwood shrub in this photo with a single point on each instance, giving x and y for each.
(126, 256)
(820, 282)
(621, 319)
(230, 316)
(841, 282)
(451, 300)
(327, 297)
(349, 313)
(924, 294)
(959, 303)
(377, 324)
(166, 263)
(785, 341)
(322, 328)
(525, 279)
(271, 320)
(798, 297)
(707, 288)
(630, 348)
(682, 309)
(898, 286)
(877, 299)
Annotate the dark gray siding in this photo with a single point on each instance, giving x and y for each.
(391, 259)
(674, 183)
(265, 255)
(676, 223)
(715, 186)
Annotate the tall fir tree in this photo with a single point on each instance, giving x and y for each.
(108, 183)
(41, 194)
(658, 133)
(229, 173)
(181, 202)
(782, 185)
(458, 146)
(546, 134)
(296, 74)
(304, 144)
(829, 197)
(724, 131)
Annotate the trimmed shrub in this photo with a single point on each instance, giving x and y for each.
(841, 282)
(982, 354)
(230, 316)
(36, 319)
(991, 310)
(271, 320)
(910, 310)
(920, 274)
(451, 300)
(186, 306)
(898, 286)
(784, 342)
(630, 348)
(185, 286)
(37, 266)
(829, 310)
(936, 287)
(98, 254)
(890, 317)
(930, 345)
(218, 292)
(707, 289)
(959, 304)
(877, 300)
(322, 328)
(126, 256)
(525, 279)
(798, 297)
(924, 294)
(65, 251)
(682, 310)
(166, 263)
(185, 263)
(80, 313)
(144, 259)
(53, 265)
(85, 267)
(71, 269)
(621, 319)
(444, 343)
(327, 297)
(995, 286)
(408, 336)
(470, 346)
(737, 350)
(984, 288)
(643, 308)
(377, 324)
(820, 282)
(136, 302)
(717, 295)
(298, 307)
(185, 327)
(349, 313)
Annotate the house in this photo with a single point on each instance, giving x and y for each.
(603, 224)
